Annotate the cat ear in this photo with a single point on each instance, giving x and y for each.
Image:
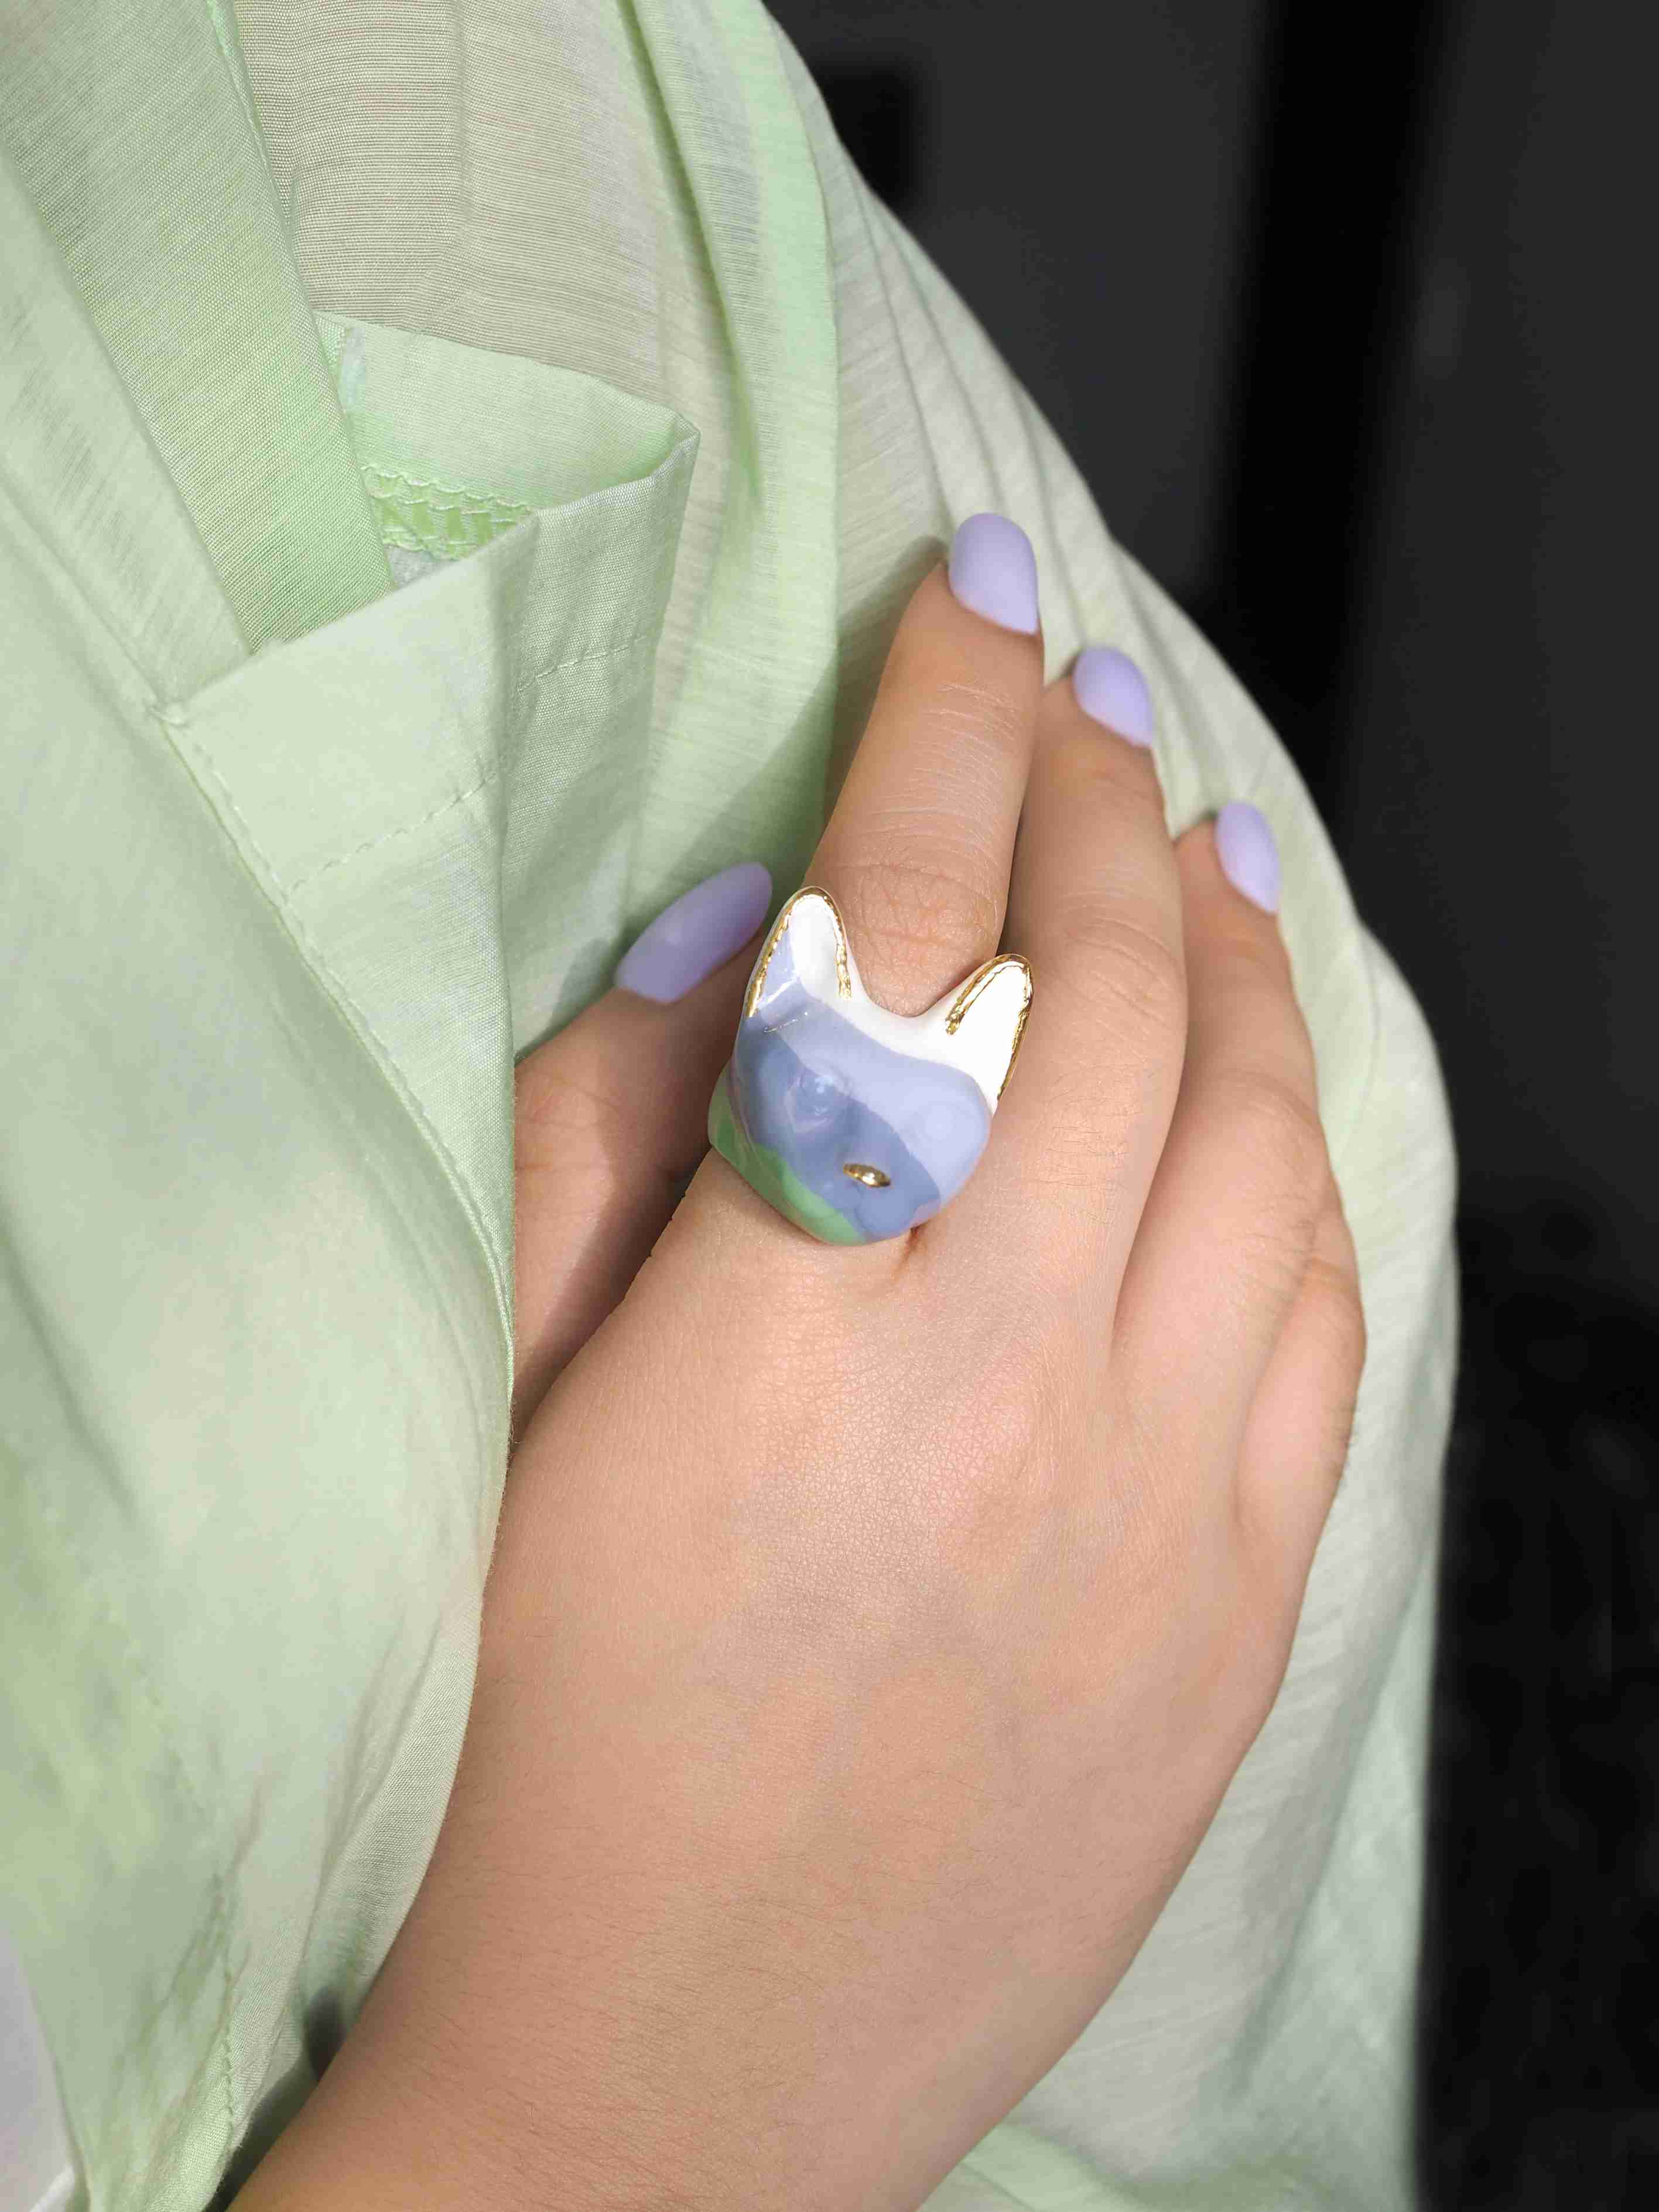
(985, 1021)
(808, 945)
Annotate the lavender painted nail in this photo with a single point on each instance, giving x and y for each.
(1110, 689)
(700, 931)
(1249, 853)
(994, 571)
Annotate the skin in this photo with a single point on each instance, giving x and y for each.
(873, 1632)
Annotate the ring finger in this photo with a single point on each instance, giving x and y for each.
(1245, 1176)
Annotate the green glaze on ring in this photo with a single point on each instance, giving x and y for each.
(772, 1176)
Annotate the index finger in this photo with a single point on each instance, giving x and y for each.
(879, 1024)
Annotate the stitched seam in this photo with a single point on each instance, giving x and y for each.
(458, 798)
(173, 720)
(488, 514)
(448, 533)
(227, 2081)
(408, 512)
(580, 659)
(391, 837)
(486, 502)
(399, 533)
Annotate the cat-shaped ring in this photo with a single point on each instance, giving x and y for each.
(855, 1123)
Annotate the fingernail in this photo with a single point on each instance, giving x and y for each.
(994, 571)
(700, 931)
(1248, 853)
(1112, 691)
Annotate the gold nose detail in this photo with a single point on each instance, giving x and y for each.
(871, 1178)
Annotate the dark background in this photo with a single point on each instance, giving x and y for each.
(1339, 310)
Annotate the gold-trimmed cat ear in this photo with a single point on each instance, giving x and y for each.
(818, 944)
(985, 1021)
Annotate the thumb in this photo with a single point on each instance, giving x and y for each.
(611, 1118)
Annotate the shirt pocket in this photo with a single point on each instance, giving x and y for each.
(442, 790)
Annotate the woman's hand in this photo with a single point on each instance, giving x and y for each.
(873, 1631)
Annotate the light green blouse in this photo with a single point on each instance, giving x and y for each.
(576, 321)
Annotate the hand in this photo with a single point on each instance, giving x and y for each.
(873, 1631)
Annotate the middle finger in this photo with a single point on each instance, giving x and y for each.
(1095, 906)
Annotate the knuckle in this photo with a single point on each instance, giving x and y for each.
(1245, 958)
(1274, 1130)
(906, 892)
(1091, 769)
(1337, 1312)
(1264, 1655)
(972, 712)
(1272, 1585)
(567, 1106)
(1121, 962)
